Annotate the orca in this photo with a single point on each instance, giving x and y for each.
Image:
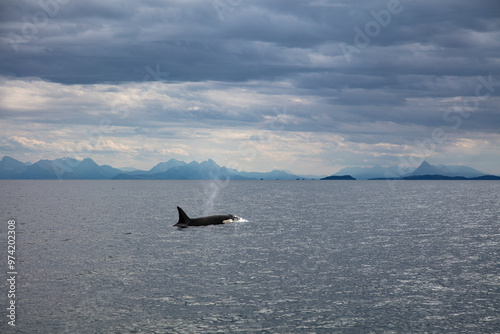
(185, 221)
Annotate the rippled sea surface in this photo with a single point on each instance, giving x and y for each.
(314, 257)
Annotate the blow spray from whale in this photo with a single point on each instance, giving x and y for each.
(185, 221)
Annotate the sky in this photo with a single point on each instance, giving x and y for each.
(306, 86)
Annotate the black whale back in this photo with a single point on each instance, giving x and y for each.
(185, 221)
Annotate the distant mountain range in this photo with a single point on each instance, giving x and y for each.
(87, 169)
(69, 168)
(424, 171)
(66, 168)
(366, 173)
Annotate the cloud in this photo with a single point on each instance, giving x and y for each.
(29, 144)
(175, 78)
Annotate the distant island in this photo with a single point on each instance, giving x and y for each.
(88, 169)
(442, 177)
(338, 177)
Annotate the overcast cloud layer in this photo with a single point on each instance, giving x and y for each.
(309, 86)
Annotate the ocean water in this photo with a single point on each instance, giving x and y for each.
(313, 257)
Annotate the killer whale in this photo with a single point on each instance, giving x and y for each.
(185, 221)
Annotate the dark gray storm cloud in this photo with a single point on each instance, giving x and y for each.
(112, 41)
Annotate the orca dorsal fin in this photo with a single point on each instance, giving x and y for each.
(183, 218)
